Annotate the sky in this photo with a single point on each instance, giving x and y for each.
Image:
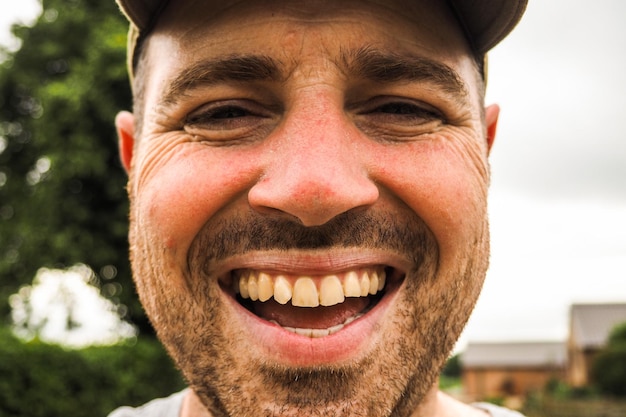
(12, 11)
(558, 196)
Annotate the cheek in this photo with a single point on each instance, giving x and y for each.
(445, 185)
(178, 197)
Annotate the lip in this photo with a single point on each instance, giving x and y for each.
(315, 262)
(280, 346)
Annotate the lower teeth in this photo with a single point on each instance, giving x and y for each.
(317, 333)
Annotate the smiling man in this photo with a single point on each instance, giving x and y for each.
(308, 186)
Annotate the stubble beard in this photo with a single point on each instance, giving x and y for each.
(392, 380)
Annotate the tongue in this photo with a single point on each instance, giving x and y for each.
(310, 318)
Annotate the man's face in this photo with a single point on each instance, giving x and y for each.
(308, 190)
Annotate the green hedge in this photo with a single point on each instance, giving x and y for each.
(41, 380)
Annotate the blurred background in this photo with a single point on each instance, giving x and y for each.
(558, 199)
(544, 332)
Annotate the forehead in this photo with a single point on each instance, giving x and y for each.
(293, 32)
(427, 23)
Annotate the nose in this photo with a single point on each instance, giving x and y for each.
(315, 172)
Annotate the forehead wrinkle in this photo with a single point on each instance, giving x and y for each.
(236, 68)
(383, 67)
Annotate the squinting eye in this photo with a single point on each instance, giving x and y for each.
(219, 113)
(397, 119)
(397, 108)
(407, 109)
(229, 121)
(229, 113)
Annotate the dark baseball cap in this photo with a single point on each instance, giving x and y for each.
(485, 22)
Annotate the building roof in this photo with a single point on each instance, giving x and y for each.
(591, 324)
(514, 354)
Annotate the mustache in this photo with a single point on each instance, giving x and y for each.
(404, 233)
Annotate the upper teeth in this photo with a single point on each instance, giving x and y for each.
(308, 291)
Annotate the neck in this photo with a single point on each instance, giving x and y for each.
(193, 407)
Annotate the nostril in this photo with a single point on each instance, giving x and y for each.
(313, 201)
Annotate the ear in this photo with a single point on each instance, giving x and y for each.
(491, 121)
(125, 125)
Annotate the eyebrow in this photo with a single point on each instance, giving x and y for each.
(388, 67)
(366, 63)
(241, 68)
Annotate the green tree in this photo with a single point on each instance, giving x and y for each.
(609, 367)
(62, 198)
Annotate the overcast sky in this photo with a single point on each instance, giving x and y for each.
(558, 202)
(558, 199)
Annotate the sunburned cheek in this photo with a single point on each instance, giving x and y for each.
(444, 190)
(177, 201)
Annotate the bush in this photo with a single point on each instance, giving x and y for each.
(609, 371)
(609, 367)
(42, 380)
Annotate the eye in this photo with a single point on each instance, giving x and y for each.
(397, 119)
(229, 120)
(229, 112)
(404, 111)
(222, 116)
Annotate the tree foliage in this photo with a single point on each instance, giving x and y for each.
(609, 367)
(62, 198)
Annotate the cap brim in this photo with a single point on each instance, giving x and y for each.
(487, 22)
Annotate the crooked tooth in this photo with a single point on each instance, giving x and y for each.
(373, 283)
(351, 285)
(266, 287)
(253, 287)
(301, 332)
(365, 284)
(305, 293)
(315, 333)
(336, 328)
(243, 286)
(382, 278)
(304, 332)
(282, 290)
(331, 291)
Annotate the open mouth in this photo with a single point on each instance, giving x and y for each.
(311, 305)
